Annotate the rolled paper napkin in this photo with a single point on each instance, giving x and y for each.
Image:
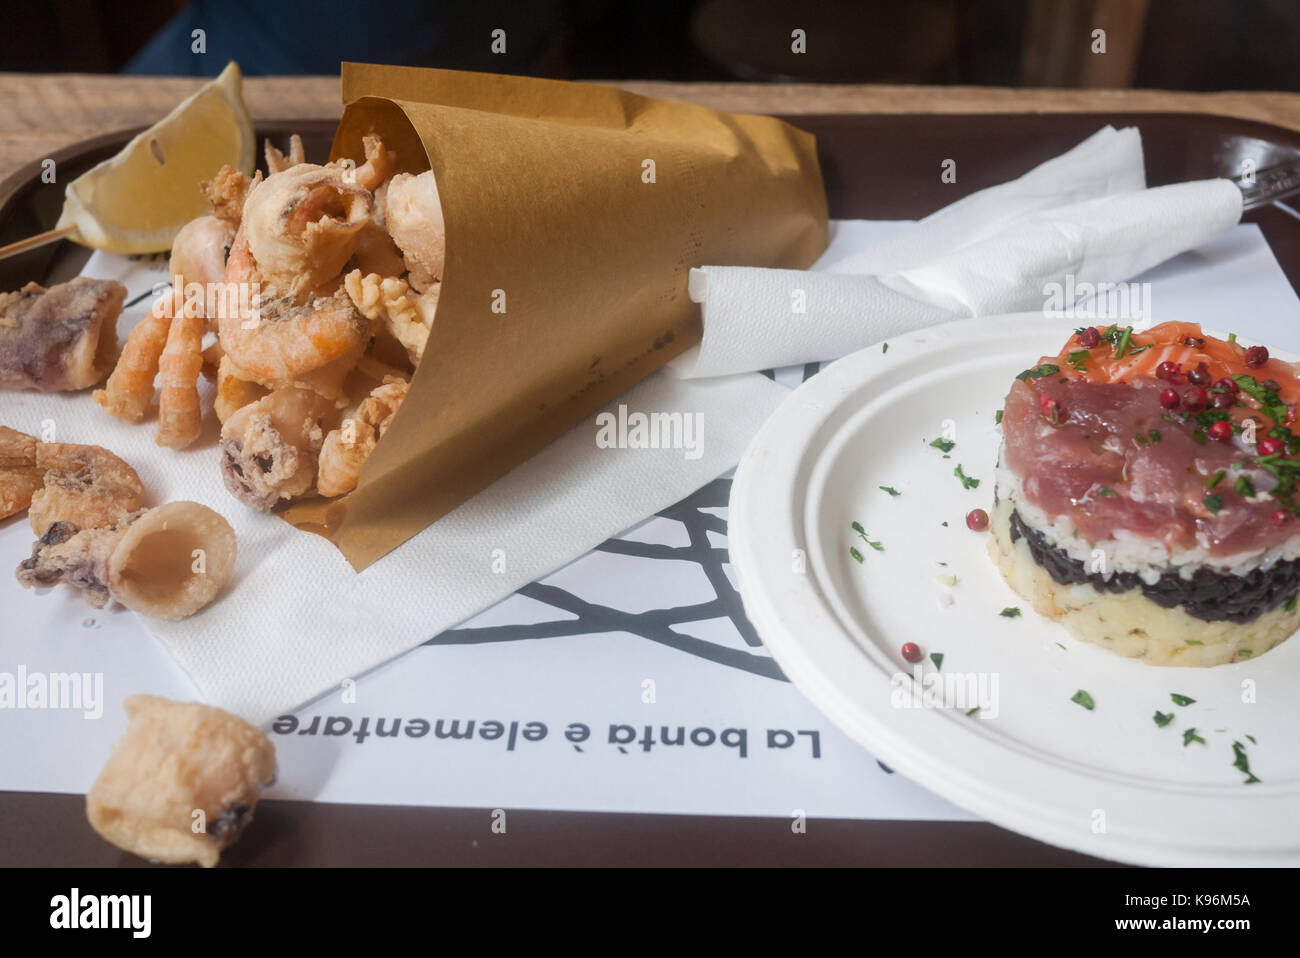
(996, 251)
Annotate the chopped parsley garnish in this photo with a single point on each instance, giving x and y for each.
(1163, 718)
(1215, 479)
(1038, 372)
(1180, 699)
(937, 659)
(855, 553)
(1213, 502)
(1154, 434)
(1241, 763)
(862, 534)
(1190, 736)
(1083, 698)
(1195, 642)
(1078, 358)
(884, 348)
(1106, 491)
(1269, 402)
(973, 711)
(1252, 740)
(1244, 487)
(943, 445)
(1011, 612)
(966, 481)
(891, 490)
(997, 418)
(1125, 339)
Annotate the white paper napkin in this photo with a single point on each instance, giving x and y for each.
(1082, 214)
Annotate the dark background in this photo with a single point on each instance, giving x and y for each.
(1164, 44)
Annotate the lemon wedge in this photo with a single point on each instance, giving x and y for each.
(137, 201)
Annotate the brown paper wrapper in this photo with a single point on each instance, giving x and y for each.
(546, 201)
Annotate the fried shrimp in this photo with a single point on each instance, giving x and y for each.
(87, 486)
(277, 162)
(233, 393)
(280, 342)
(407, 315)
(182, 782)
(413, 217)
(346, 448)
(269, 449)
(19, 474)
(199, 252)
(129, 389)
(179, 416)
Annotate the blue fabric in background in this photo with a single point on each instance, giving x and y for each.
(268, 37)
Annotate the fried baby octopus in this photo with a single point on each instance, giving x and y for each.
(61, 338)
(182, 783)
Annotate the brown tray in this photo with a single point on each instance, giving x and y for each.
(876, 167)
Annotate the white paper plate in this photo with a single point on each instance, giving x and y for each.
(1108, 782)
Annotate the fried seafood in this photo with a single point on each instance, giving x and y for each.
(61, 338)
(129, 389)
(226, 193)
(233, 393)
(179, 416)
(269, 449)
(300, 227)
(376, 252)
(199, 252)
(77, 557)
(346, 448)
(19, 474)
(405, 314)
(279, 342)
(182, 783)
(277, 162)
(87, 486)
(413, 217)
(172, 561)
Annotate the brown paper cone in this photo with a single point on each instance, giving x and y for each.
(583, 208)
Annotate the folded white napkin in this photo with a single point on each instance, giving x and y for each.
(297, 620)
(1083, 214)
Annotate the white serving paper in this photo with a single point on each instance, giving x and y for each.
(528, 660)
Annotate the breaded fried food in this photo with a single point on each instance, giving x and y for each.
(182, 783)
(270, 448)
(61, 338)
(77, 557)
(19, 474)
(87, 486)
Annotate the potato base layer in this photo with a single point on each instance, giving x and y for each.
(1128, 623)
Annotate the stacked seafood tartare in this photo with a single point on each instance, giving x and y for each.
(1146, 494)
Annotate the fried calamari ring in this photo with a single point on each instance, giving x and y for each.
(172, 560)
